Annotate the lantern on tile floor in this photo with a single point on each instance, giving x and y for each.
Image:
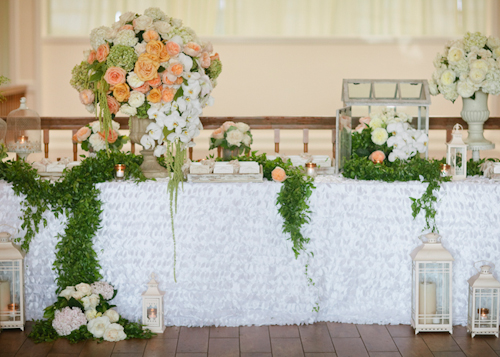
(431, 286)
(482, 318)
(11, 283)
(456, 155)
(152, 307)
(23, 131)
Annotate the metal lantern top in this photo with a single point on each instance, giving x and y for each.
(153, 288)
(23, 130)
(386, 92)
(457, 135)
(484, 278)
(431, 249)
(3, 130)
(9, 250)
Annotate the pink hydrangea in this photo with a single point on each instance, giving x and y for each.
(103, 288)
(68, 319)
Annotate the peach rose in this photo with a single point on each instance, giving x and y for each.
(377, 156)
(82, 134)
(179, 80)
(126, 27)
(365, 120)
(113, 105)
(146, 70)
(360, 128)
(154, 48)
(150, 57)
(115, 75)
(92, 57)
(278, 174)
(192, 49)
(173, 48)
(154, 96)
(150, 35)
(176, 69)
(227, 125)
(218, 133)
(164, 56)
(215, 57)
(165, 80)
(143, 89)
(205, 60)
(86, 96)
(121, 92)
(167, 95)
(155, 82)
(112, 135)
(102, 52)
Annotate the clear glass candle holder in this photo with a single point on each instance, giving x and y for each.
(311, 169)
(120, 171)
(445, 170)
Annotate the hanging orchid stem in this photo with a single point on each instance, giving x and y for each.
(105, 119)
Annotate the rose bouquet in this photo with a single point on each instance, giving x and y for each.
(388, 133)
(467, 66)
(93, 138)
(83, 311)
(232, 136)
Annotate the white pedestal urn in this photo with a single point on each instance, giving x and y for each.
(150, 167)
(475, 112)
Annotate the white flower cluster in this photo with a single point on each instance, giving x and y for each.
(99, 324)
(236, 135)
(96, 139)
(467, 66)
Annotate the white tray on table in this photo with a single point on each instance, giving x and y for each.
(226, 177)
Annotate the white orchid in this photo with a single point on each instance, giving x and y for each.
(206, 85)
(160, 150)
(192, 90)
(186, 61)
(174, 121)
(147, 142)
(154, 130)
(191, 76)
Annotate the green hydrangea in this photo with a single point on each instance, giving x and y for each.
(214, 70)
(80, 76)
(122, 56)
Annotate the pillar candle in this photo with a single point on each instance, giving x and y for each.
(427, 301)
(4, 299)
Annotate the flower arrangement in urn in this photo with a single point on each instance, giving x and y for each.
(93, 138)
(466, 66)
(388, 134)
(232, 136)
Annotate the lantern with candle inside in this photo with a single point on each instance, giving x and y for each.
(482, 317)
(11, 283)
(456, 155)
(23, 131)
(311, 169)
(152, 307)
(120, 171)
(431, 286)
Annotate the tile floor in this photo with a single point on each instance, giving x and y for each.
(317, 340)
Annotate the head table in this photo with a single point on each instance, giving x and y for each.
(236, 267)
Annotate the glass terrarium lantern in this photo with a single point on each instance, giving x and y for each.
(11, 283)
(456, 155)
(362, 96)
(23, 131)
(431, 286)
(152, 307)
(483, 311)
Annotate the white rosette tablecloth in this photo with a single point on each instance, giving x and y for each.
(236, 267)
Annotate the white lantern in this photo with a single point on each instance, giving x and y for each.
(456, 155)
(484, 305)
(431, 286)
(11, 284)
(152, 307)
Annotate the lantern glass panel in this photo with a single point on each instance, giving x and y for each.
(10, 291)
(470, 314)
(360, 90)
(456, 156)
(344, 142)
(486, 308)
(411, 90)
(385, 90)
(434, 293)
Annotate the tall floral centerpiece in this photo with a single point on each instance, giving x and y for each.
(469, 68)
(156, 71)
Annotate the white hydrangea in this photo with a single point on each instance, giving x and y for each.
(67, 320)
(97, 142)
(99, 35)
(126, 38)
(155, 13)
(466, 88)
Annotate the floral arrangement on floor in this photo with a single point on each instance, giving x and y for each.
(93, 138)
(232, 136)
(466, 66)
(388, 134)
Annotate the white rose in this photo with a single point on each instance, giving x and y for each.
(134, 80)
(96, 126)
(247, 140)
(98, 326)
(234, 137)
(68, 292)
(112, 315)
(90, 108)
(140, 48)
(433, 89)
(84, 288)
(496, 52)
(114, 333)
(90, 302)
(155, 13)
(379, 136)
(455, 54)
(91, 314)
(376, 122)
(142, 23)
(127, 16)
(176, 22)
(128, 110)
(477, 75)
(448, 77)
(136, 99)
(493, 42)
(480, 64)
(78, 294)
(465, 89)
(162, 27)
(242, 127)
(117, 25)
(115, 125)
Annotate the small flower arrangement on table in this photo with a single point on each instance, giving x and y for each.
(388, 134)
(93, 138)
(232, 136)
